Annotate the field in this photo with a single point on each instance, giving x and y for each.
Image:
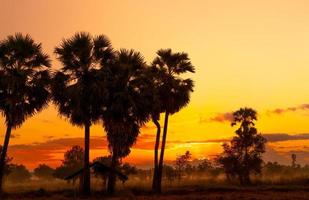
(137, 189)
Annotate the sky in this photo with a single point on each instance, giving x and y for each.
(246, 53)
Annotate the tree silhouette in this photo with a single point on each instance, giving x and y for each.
(127, 107)
(72, 162)
(19, 173)
(105, 160)
(43, 171)
(293, 156)
(77, 88)
(24, 82)
(244, 154)
(182, 162)
(173, 93)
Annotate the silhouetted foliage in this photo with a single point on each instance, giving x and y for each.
(244, 155)
(43, 171)
(169, 173)
(204, 166)
(128, 104)
(128, 169)
(19, 173)
(24, 84)
(294, 164)
(78, 88)
(172, 94)
(102, 174)
(182, 163)
(73, 161)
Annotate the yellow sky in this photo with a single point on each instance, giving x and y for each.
(246, 53)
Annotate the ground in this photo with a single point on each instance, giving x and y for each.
(181, 194)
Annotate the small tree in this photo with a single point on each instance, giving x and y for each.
(128, 169)
(244, 155)
(105, 160)
(73, 161)
(169, 173)
(204, 165)
(182, 162)
(293, 156)
(19, 173)
(43, 171)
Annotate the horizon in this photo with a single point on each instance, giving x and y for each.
(246, 54)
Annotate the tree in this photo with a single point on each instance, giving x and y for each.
(182, 162)
(173, 93)
(77, 87)
(24, 84)
(19, 173)
(128, 169)
(72, 162)
(204, 165)
(293, 156)
(103, 174)
(244, 155)
(43, 171)
(169, 172)
(128, 105)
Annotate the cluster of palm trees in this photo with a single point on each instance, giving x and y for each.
(96, 84)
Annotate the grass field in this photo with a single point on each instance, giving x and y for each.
(140, 189)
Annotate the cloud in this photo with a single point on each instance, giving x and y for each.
(279, 137)
(220, 117)
(290, 109)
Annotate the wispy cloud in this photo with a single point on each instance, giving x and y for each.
(289, 109)
(280, 137)
(220, 117)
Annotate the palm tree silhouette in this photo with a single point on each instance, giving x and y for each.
(173, 93)
(128, 106)
(77, 88)
(24, 84)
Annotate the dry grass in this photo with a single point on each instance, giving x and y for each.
(190, 188)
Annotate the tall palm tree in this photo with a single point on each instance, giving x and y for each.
(24, 84)
(128, 106)
(153, 74)
(77, 87)
(173, 92)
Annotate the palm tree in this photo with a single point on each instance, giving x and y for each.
(24, 84)
(153, 75)
(128, 106)
(77, 87)
(173, 92)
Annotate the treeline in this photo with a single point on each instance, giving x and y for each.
(94, 84)
(183, 169)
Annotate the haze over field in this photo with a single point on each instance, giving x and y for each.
(246, 54)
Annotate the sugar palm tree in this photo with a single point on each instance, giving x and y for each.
(173, 92)
(128, 106)
(24, 84)
(77, 87)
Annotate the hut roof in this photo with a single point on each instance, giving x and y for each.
(103, 168)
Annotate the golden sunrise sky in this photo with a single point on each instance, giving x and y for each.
(246, 53)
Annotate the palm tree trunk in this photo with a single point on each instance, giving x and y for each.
(112, 176)
(86, 172)
(160, 168)
(3, 154)
(156, 155)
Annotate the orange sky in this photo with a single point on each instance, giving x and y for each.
(246, 53)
